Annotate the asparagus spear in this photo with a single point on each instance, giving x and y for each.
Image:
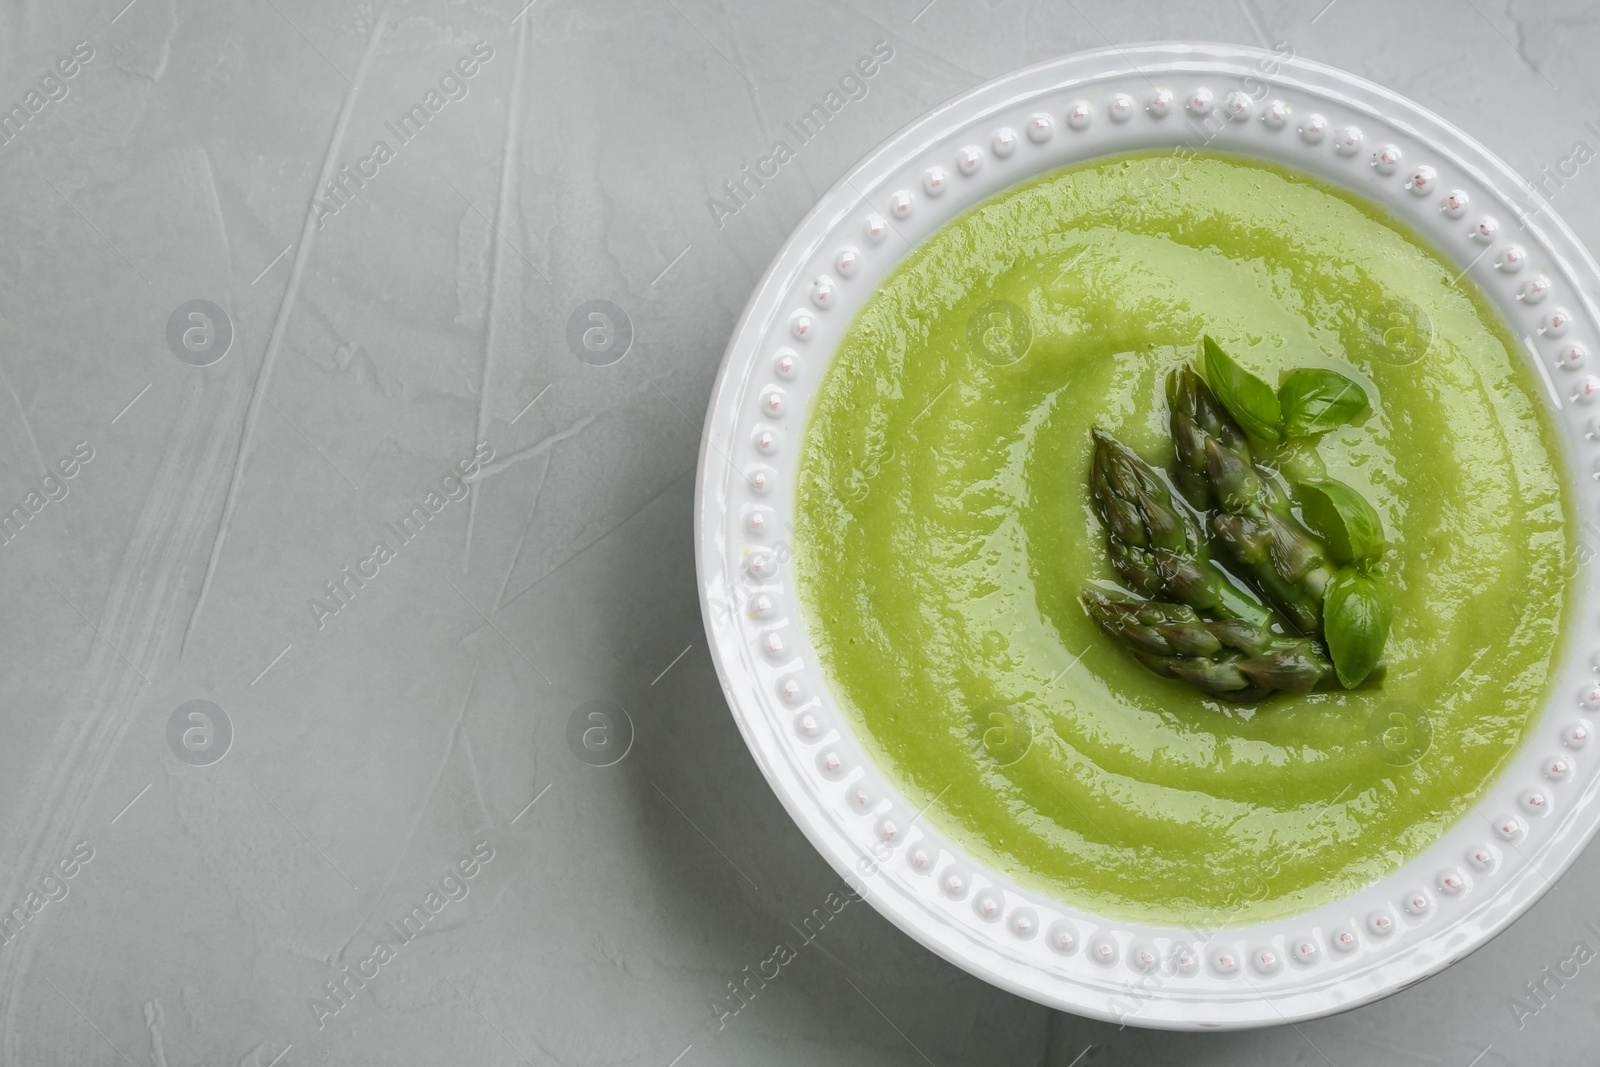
(1230, 659)
(1154, 543)
(1252, 520)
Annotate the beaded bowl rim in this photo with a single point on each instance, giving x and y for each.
(1411, 923)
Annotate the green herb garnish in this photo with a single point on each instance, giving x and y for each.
(1283, 607)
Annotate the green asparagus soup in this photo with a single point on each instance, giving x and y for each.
(945, 528)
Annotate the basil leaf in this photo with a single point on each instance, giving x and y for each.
(1355, 620)
(1348, 524)
(1315, 401)
(1248, 399)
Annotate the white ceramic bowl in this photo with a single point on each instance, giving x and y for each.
(1457, 894)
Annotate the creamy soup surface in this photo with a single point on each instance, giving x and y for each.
(945, 528)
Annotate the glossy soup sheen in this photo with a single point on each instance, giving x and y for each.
(945, 528)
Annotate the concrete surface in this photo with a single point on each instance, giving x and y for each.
(388, 744)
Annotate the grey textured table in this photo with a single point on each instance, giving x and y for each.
(386, 754)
